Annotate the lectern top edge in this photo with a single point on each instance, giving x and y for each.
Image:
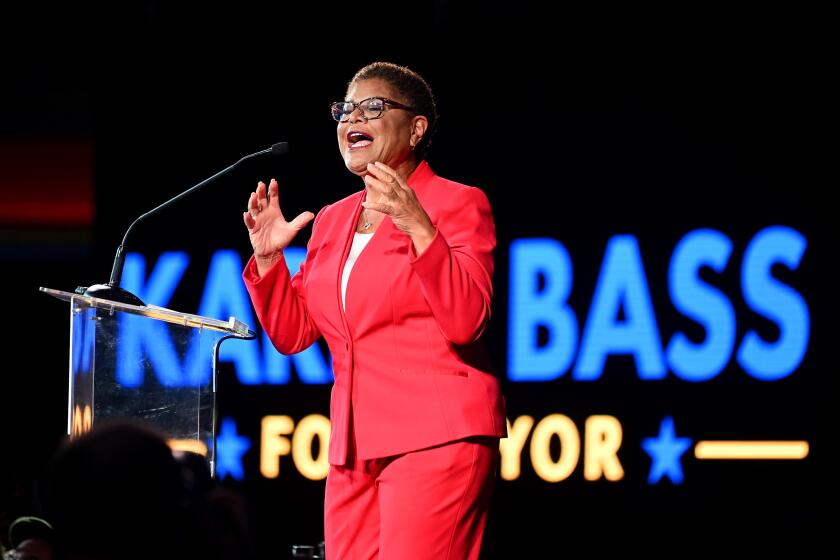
(232, 326)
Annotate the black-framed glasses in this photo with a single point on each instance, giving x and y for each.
(372, 108)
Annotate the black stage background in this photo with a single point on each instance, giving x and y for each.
(580, 127)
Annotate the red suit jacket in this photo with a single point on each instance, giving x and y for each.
(406, 353)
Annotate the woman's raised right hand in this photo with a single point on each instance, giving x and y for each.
(268, 229)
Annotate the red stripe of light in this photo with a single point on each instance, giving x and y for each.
(46, 181)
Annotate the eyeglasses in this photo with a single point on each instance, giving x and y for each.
(372, 108)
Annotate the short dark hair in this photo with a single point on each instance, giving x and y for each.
(414, 90)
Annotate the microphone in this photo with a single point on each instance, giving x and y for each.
(112, 290)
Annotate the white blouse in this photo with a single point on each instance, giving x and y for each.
(360, 241)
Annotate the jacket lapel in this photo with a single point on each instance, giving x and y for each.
(350, 228)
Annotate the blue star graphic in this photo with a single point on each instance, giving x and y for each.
(229, 450)
(666, 450)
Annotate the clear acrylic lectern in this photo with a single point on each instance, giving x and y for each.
(145, 363)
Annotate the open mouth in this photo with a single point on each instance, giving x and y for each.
(358, 139)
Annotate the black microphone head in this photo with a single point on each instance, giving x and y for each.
(280, 148)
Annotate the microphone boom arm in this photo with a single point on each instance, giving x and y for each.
(119, 259)
(112, 289)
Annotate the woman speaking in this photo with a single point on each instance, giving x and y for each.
(398, 280)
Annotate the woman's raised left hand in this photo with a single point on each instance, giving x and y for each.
(395, 198)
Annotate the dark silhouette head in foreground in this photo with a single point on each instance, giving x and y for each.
(117, 492)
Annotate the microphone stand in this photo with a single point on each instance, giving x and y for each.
(112, 290)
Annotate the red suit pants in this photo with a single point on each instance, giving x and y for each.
(429, 504)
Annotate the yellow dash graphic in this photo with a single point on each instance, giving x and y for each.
(751, 449)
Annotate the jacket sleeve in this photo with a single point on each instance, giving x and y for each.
(280, 303)
(456, 269)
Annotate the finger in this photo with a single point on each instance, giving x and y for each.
(380, 207)
(273, 194)
(379, 187)
(301, 220)
(262, 201)
(250, 223)
(253, 203)
(394, 175)
(387, 176)
(379, 172)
